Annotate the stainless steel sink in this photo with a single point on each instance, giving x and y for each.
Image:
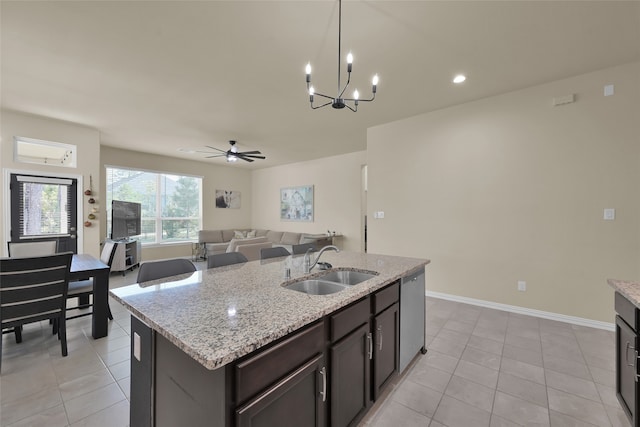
(316, 287)
(346, 277)
(330, 283)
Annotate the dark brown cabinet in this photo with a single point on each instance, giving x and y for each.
(285, 384)
(385, 345)
(627, 386)
(296, 400)
(363, 354)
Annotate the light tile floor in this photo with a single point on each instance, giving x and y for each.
(484, 367)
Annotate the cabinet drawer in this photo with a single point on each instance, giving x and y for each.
(349, 319)
(265, 368)
(627, 311)
(386, 297)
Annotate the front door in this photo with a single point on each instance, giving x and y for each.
(44, 208)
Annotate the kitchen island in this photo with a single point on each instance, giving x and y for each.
(208, 347)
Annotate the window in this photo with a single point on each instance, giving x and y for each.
(29, 150)
(171, 204)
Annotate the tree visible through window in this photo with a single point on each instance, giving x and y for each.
(171, 204)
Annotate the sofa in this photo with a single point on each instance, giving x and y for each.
(250, 241)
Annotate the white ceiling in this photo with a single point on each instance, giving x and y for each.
(159, 76)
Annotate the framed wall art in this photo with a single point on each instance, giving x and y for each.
(227, 199)
(296, 203)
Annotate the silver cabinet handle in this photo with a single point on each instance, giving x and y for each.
(323, 372)
(626, 354)
(380, 335)
(370, 340)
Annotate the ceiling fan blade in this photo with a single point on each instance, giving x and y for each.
(217, 149)
(255, 157)
(246, 159)
(250, 152)
(215, 155)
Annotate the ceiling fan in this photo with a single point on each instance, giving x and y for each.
(233, 154)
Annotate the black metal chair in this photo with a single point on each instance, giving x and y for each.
(83, 289)
(278, 251)
(227, 258)
(34, 289)
(160, 269)
(302, 248)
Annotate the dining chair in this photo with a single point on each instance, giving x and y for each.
(83, 289)
(302, 248)
(31, 249)
(160, 269)
(34, 289)
(278, 251)
(227, 258)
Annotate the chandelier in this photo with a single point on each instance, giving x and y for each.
(339, 101)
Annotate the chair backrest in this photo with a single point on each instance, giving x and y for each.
(302, 248)
(108, 252)
(31, 249)
(160, 269)
(227, 258)
(273, 252)
(33, 288)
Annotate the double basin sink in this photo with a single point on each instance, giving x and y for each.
(332, 282)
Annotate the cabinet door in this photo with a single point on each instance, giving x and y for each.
(385, 340)
(626, 369)
(350, 377)
(297, 400)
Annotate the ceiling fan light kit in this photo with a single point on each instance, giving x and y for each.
(339, 102)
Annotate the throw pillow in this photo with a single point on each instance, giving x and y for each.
(251, 233)
(239, 234)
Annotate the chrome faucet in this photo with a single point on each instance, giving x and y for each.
(307, 258)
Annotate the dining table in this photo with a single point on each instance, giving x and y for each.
(84, 266)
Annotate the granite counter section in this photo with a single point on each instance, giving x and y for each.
(219, 315)
(630, 290)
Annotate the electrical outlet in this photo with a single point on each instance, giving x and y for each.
(522, 285)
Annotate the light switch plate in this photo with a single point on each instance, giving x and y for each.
(608, 90)
(609, 214)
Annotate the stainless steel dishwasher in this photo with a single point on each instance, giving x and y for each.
(412, 317)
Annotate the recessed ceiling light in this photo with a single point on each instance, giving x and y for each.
(459, 78)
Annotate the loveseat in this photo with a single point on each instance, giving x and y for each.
(250, 241)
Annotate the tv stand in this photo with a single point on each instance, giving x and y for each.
(128, 255)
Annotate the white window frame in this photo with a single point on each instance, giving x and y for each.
(159, 218)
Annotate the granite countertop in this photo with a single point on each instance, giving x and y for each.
(630, 290)
(219, 315)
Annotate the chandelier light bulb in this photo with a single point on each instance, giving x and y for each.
(349, 58)
(311, 90)
(375, 80)
(356, 94)
(308, 68)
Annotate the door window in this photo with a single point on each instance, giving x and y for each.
(44, 208)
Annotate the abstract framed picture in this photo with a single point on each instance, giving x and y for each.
(296, 203)
(227, 199)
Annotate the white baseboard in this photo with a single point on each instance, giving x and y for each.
(526, 311)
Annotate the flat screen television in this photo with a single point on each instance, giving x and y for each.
(125, 219)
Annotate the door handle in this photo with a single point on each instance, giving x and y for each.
(380, 335)
(323, 393)
(370, 341)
